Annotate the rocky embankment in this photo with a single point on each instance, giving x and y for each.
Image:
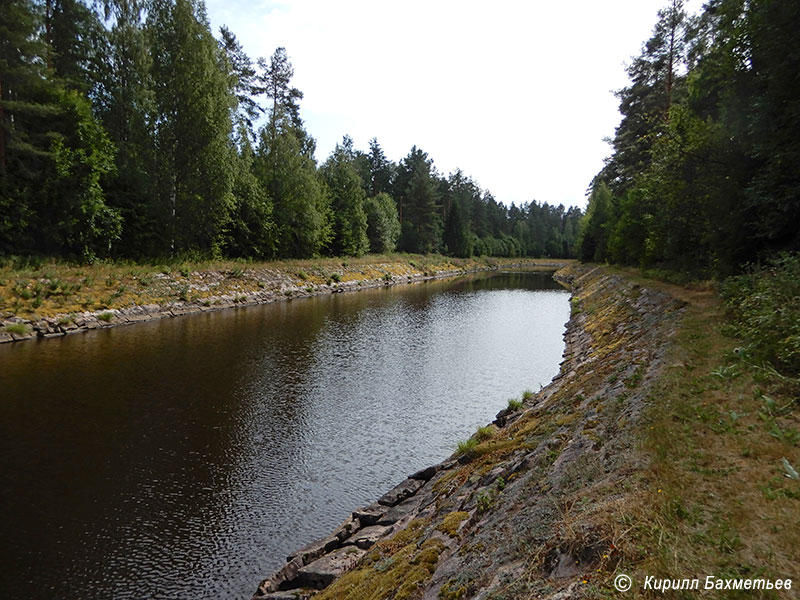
(211, 290)
(528, 510)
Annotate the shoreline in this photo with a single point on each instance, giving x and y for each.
(435, 532)
(259, 285)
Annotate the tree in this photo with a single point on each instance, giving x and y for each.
(381, 170)
(301, 205)
(383, 224)
(645, 104)
(347, 201)
(126, 104)
(242, 79)
(457, 236)
(250, 232)
(418, 208)
(597, 223)
(53, 152)
(195, 153)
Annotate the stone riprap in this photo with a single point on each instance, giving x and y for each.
(525, 513)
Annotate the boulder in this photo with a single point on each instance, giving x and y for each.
(400, 492)
(315, 549)
(323, 571)
(425, 474)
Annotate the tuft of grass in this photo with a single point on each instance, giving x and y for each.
(527, 395)
(466, 447)
(514, 404)
(484, 433)
(105, 316)
(18, 328)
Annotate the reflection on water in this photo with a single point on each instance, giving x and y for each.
(188, 457)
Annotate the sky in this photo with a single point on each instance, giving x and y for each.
(518, 94)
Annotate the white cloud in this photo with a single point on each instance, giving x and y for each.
(517, 94)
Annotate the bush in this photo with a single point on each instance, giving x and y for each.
(764, 307)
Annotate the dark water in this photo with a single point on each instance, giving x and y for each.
(186, 458)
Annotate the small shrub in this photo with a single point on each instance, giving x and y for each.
(387, 276)
(484, 501)
(302, 275)
(336, 277)
(106, 316)
(763, 307)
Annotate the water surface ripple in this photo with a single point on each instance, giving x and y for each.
(186, 458)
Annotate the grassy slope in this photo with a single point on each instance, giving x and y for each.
(55, 288)
(715, 499)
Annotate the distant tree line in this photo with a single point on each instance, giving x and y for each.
(705, 172)
(128, 130)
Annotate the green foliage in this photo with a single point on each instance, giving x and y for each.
(383, 224)
(699, 181)
(127, 130)
(301, 204)
(763, 306)
(347, 202)
(193, 101)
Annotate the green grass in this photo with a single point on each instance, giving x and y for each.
(514, 404)
(17, 328)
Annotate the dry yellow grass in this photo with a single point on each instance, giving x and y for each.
(52, 288)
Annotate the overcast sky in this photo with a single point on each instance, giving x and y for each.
(518, 94)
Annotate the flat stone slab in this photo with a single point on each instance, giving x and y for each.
(365, 538)
(369, 515)
(425, 474)
(323, 571)
(400, 492)
(399, 512)
(315, 549)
